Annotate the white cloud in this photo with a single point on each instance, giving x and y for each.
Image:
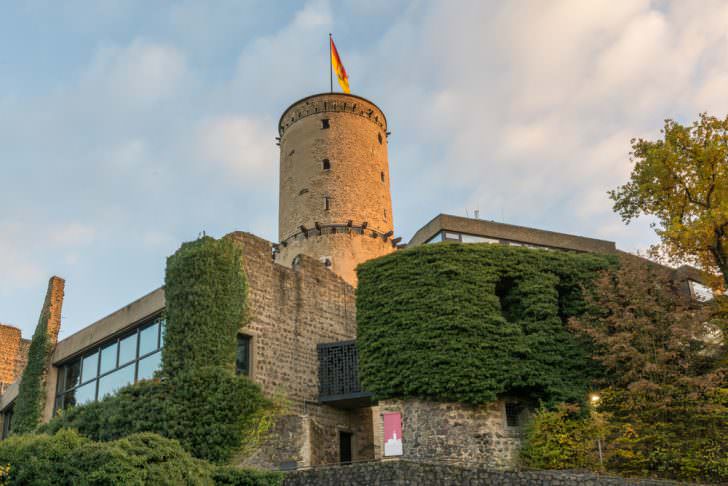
(72, 234)
(142, 72)
(243, 147)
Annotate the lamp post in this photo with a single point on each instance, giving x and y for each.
(594, 398)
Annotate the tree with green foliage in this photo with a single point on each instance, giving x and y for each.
(664, 393)
(468, 323)
(682, 181)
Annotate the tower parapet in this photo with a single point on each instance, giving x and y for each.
(335, 202)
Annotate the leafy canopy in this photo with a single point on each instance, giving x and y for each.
(682, 180)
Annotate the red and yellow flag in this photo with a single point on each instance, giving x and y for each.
(341, 75)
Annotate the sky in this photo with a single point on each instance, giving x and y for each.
(128, 127)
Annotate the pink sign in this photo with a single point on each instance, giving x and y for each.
(392, 434)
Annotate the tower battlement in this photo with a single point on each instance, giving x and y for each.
(332, 103)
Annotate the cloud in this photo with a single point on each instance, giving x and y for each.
(243, 147)
(72, 234)
(18, 270)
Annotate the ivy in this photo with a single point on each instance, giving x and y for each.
(468, 323)
(197, 398)
(31, 392)
(205, 290)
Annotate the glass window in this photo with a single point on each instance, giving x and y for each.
(478, 239)
(83, 394)
(110, 383)
(148, 338)
(90, 367)
(435, 239)
(451, 236)
(242, 358)
(127, 349)
(108, 358)
(148, 366)
(162, 330)
(73, 375)
(79, 381)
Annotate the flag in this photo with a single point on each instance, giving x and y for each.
(338, 68)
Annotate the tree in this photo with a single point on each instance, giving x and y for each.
(682, 181)
(664, 388)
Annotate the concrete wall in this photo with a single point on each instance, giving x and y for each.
(291, 310)
(456, 433)
(357, 184)
(405, 473)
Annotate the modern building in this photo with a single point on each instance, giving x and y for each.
(335, 212)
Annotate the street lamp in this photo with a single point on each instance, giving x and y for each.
(594, 398)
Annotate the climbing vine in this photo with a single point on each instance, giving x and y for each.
(471, 322)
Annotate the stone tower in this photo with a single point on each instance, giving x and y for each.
(334, 202)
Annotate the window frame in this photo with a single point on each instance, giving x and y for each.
(62, 391)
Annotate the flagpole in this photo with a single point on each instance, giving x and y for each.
(331, 67)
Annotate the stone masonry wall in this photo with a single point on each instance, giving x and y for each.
(356, 182)
(457, 433)
(405, 473)
(10, 353)
(291, 310)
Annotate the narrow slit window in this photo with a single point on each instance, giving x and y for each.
(379, 137)
(327, 203)
(324, 123)
(326, 164)
(381, 176)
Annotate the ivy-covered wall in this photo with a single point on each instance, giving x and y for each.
(197, 398)
(205, 290)
(30, 401)
(468, 323)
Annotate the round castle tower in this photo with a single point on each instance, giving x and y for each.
(334, 201)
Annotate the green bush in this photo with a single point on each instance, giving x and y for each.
(69, 459)
(467, 323)
(233, 476)
(205, 290)
(209, 411)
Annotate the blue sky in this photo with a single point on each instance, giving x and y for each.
(127, 127)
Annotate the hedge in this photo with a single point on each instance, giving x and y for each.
(67, 458)
(468, 323)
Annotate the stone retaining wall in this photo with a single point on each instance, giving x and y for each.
(400, 473)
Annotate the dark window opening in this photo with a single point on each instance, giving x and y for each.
(345, 447)
(513, 412)
(326, 164)
(381, 176)
(242, 355)
(302, 192)
(324, 123)
(508, 304)
(327, 203)
(379, 137)
(385, 214)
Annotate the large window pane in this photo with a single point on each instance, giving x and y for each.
(90, 366)
(113, 381)
(108, 358)
(148, 366)
(79, 396)
(73, 374)
(127, 349)
(148, 339)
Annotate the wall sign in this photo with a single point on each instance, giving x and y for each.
(392, 434)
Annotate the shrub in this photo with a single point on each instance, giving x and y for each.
(233, 476)
(69, 459)
(470, 322)
(209, 411)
